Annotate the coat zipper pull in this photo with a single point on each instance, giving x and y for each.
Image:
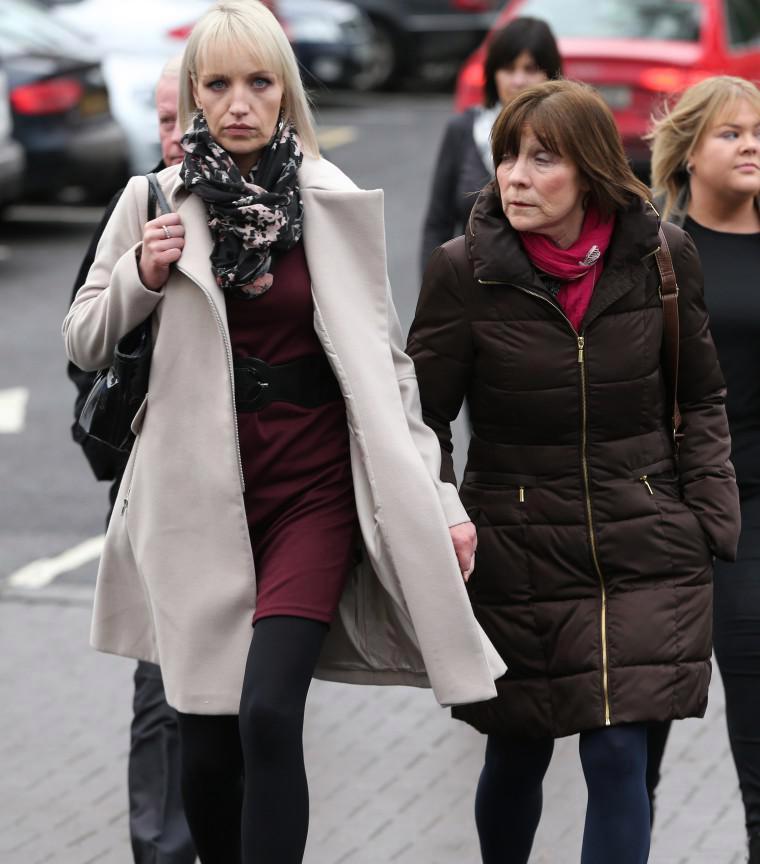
(581, 344)
(521, 494)
(645, 480)
(124, 506)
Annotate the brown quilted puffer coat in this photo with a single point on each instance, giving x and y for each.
(594, 564)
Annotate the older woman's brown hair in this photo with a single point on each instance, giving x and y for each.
(572, 120)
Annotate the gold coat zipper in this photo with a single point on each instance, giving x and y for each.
(590, 525)
(581, 342)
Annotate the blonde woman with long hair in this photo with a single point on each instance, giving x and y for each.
(706, 174)
(281, 475)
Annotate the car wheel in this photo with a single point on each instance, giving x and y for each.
(383, 66)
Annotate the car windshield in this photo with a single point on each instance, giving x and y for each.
(677, 20)
(26, 28)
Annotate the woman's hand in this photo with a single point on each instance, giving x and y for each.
(465, 540)
(163, 241)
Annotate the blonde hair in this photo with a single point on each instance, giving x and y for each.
(249, 26)
(676, 133)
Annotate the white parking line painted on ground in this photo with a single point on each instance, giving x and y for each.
(13, 409)
(42, 572)
(54, 213)
(331, 137)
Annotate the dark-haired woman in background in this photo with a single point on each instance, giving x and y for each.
(521, 54)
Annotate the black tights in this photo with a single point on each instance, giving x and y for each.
(243, 778)
(509, 798)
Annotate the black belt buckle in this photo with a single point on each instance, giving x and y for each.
(256, 390)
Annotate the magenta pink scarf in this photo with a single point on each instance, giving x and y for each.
(579, 267)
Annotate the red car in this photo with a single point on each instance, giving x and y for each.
(635, 52)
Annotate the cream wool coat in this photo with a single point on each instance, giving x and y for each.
(176, 584)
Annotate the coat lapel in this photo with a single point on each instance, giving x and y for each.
(628, 258)
(195, 262)
(498, 256)
(344, 240)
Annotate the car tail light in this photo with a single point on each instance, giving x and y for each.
(47, 97)
(472, 5)
(667, 79)
(473, 76)
(181, 33)
(470, 85)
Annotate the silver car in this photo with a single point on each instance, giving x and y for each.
(134, 40)
(11, 152)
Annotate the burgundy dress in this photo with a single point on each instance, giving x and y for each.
(299, 496)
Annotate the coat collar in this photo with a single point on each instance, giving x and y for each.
(314, 174)
(498, 256)
(343, 233)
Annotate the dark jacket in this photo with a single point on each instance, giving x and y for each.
(458, 178)
(594, 564)
(106, 463)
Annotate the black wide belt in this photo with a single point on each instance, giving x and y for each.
(307, 381)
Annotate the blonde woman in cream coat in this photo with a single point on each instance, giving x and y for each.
(177, 583)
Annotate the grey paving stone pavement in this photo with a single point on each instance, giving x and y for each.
(391, 775)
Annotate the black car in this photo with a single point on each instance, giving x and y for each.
(332, 39)
(59, 106)
(413, 33)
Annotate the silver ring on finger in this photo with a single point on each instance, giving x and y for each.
(167, 233)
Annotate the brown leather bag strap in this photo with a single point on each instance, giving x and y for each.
(670, 334)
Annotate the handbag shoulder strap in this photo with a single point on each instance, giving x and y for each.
(151, 202)
(670, 327)
(156, 196)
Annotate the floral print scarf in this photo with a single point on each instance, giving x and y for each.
(251, 218)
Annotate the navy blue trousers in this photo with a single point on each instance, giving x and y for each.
(509, 797)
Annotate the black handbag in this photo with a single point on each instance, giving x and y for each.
(118, 392)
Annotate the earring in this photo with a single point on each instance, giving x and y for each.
(689, 168)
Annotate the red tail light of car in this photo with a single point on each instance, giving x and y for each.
(472, 5)
(47, 97)
(182, 33)
(666, 79)
(470, 84)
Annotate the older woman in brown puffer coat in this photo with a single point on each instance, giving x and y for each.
(594, 566)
